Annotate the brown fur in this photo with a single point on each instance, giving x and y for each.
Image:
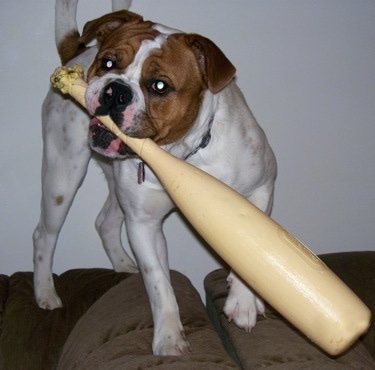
(188, 67)
(121, 44)
(104, 25)
(70, 47)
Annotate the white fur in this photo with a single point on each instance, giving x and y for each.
(238, 154)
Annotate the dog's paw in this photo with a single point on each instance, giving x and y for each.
(48, 299)
(171, 344)
(242, 306)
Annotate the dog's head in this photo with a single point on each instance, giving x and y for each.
(150, 79)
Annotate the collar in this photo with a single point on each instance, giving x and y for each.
(204, 142)
(205, 139)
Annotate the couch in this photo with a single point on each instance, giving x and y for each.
(106, 323)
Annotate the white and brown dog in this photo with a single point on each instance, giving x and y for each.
(177, 89)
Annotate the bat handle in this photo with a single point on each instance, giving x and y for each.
(69, 80)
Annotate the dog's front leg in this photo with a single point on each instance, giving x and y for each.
(109, 225)
(242, 304)
(150, 249)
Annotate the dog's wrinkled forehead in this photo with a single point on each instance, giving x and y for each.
(117, 49)
(125, 39)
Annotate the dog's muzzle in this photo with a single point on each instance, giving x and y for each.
(114, 98)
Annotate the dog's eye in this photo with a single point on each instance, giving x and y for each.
(108, 64)
(159, 87)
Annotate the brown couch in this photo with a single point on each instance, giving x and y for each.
(106, 324)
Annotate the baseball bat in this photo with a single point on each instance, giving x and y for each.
(272, 261)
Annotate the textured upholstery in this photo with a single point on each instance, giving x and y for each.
(274, 344)
(105, 324)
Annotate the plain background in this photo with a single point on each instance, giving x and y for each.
(307, 69)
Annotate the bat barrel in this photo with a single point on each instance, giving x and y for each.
(272, 261)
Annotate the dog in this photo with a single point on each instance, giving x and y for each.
(179, 90)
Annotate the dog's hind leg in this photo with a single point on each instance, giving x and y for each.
(65, 160)
(109, 225)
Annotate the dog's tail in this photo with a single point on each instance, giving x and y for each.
(66, 28)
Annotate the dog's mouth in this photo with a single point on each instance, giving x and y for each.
(105, 142)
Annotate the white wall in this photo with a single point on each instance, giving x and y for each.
(307, 69)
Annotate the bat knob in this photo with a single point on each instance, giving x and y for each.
(63, 77)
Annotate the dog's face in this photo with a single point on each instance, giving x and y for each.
(151, 80)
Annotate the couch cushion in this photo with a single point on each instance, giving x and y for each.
(4, 288)
(32, 338)
(116, 332)
(273, 342)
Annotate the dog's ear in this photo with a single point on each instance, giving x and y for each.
(104, 25)
(215, 66)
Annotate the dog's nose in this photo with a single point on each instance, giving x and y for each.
(115, 97)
